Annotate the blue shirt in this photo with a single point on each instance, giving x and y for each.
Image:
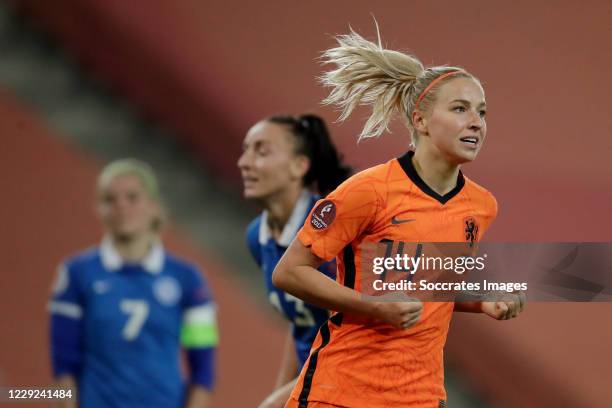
(305, 318)
(117, 327)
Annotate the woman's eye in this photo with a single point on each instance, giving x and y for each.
(459, 109)
(483, 113)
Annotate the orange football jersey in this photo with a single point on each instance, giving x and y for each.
(355, 361)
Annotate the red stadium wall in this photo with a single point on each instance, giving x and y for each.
(48, 214)
(214, 68)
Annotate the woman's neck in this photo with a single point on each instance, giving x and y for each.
(436, 172)
(280, 207)
(134, 248)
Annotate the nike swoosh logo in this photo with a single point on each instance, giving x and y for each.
(395, 221)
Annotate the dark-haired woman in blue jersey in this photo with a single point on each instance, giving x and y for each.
(286, 163)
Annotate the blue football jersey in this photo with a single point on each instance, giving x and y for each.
(118, 327)
(305, 318)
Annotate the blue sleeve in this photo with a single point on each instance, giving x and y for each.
(195, 289)
(66, 324)
(202, 366)
(252, 238)
(199, 331)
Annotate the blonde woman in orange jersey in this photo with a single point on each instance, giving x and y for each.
(389, 354)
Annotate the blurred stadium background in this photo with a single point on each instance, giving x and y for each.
(178, 83)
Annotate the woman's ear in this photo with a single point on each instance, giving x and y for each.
(419, 122)
(159, 215)
(299, 166)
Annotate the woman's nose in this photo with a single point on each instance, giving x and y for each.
(475, 121)
(242, 161)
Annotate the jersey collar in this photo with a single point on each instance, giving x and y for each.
(293, 225)
(406, 162)
(153, 262)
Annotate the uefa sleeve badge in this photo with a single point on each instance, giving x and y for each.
(323, 215)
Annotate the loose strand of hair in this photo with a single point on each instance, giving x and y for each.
(367, 74)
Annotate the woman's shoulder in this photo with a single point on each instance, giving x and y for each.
(80, 266)
(253, 228)
(179, 263)
(82, 258)
(377, 172)
(480, 194)
(364, 192)
(478, 189)
(372, 179)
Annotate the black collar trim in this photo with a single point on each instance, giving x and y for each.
(406, 162)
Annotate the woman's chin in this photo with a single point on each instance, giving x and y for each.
(124, 233)
(253, 194)
(463, 156)
(250, 194)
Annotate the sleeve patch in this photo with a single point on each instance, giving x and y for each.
(324, 215)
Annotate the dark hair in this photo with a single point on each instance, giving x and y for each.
(326, 170)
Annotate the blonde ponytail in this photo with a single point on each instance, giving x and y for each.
(388, 80)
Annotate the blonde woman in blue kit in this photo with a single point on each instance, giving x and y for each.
(121, 311)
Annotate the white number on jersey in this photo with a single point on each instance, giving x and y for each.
(138, 311)
(303, 315)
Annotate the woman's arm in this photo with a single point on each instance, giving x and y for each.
(65, 382)
(287, 376)
(288, 368)
(280, 396)
(296, 273)
(201, 362)
(198, 397)
(199, 338)
(66, 334)
(510, 305)
(468, 307)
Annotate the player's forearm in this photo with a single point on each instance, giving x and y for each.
(285, 390)
(199, 397)
(280, 396)
(66, 382)
(310, 285)
(288, 368)
(468, 307)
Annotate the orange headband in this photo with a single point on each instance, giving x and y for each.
(433, 83)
